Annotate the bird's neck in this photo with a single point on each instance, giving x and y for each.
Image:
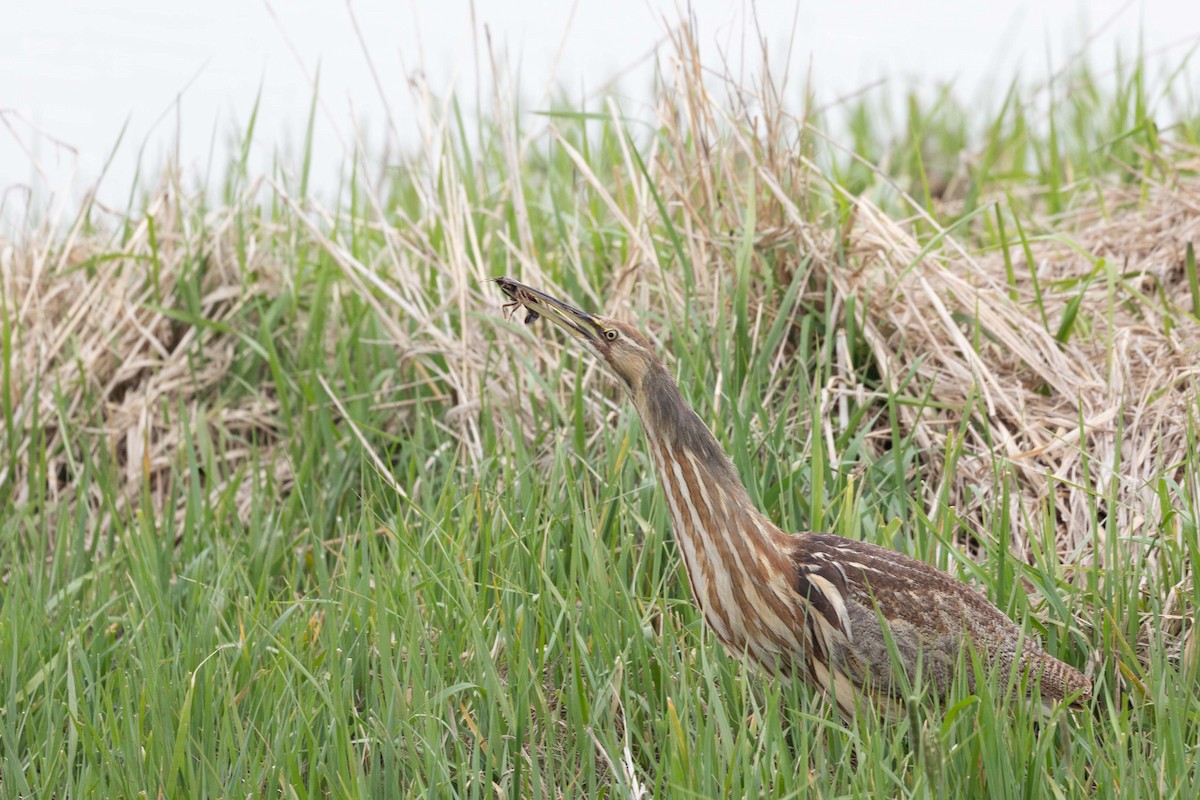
(730, 549)
(676, 430)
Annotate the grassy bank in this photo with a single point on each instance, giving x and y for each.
(292, 509)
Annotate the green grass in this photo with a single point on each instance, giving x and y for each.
(501, 611)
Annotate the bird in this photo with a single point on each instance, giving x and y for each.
(840, 614)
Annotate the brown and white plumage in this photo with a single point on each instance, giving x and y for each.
(809, 604)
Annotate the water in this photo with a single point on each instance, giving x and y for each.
(181, 78)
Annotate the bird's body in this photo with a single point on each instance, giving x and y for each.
(810, 605)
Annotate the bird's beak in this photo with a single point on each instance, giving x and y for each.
(580, 324)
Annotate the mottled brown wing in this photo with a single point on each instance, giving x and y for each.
(931, 618)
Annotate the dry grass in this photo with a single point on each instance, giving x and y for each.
(120, 343)
(1116, 400)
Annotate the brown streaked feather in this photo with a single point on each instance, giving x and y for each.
(932, 617)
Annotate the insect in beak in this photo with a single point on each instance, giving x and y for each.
(511, 308)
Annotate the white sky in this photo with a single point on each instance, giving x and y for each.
(185, 74)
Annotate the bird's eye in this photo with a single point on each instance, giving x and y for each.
(611, 335)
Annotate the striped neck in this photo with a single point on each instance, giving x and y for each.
(736, 559)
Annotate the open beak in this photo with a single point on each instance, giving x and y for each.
(580, 324)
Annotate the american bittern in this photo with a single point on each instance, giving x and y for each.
(808, 604)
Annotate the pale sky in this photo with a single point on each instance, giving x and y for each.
(183, 75)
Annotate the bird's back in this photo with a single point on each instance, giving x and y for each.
(931, 618)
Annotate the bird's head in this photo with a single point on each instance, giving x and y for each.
(626, 352)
